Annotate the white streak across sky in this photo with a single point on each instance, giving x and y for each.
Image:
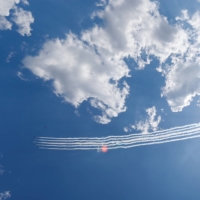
(120, 142)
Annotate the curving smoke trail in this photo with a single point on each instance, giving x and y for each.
(124, 141)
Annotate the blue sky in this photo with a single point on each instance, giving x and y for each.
(95, 69)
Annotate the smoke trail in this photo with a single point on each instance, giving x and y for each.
(124, 141)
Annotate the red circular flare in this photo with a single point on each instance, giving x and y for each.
(104, 149)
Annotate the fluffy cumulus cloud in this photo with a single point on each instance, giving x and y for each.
(136, 29)
(23, 19)
(5, 195)
(6, 6)
(150, 123)
(183, 73)
(20, 17)
(79, 73)
(90, 67)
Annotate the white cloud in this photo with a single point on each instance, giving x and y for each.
(182, 84)
(6, 6)
(77, 113)
(22, 18)
(25, 2)
(5, 195)
(126, 129)
(21, 76)
(10, 55)
(79, 74)
(90, 67)
(136, 29)
(183, 74)
(198, 103)
(150, 123)
(5, 24)
(101, 3)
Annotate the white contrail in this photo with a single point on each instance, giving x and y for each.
(130, 141)
(116, 142)
(82, 141)
(121, 142)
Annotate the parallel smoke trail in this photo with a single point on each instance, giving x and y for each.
(116, 142)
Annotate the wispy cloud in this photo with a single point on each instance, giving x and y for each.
(25, 2)
(10, 55)
(149, 123)
(21, 76)
(5, 195)
(101, 3)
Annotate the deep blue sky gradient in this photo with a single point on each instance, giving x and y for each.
(30, 108)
